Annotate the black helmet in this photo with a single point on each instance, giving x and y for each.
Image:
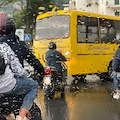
(52, 45)
(7, 25)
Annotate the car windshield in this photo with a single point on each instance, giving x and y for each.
(53, 27)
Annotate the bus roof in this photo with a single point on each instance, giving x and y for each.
(73, 11)
(51, 13)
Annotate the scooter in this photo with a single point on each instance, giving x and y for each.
(10, 105)
(54, 81)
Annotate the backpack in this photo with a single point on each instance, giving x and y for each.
(2, 65)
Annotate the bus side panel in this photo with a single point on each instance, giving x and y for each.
(87, 58)
(92, 58)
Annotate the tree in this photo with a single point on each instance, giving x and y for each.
(30, 12)
(5, 2)
(17, 20)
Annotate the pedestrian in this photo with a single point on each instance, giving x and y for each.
(116, 73)
(7, 34)
(14, 81)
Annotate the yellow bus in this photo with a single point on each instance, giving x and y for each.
(90, 38)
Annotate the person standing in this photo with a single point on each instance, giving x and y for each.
(116, 73)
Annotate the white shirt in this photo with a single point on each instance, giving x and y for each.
(7, 80)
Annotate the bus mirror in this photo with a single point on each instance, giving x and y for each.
(118, 36)
(117, 40)
(67, 53)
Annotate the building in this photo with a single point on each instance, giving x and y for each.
(105, 7)
(61, 4)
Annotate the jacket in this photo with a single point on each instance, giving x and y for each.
(13, 68)
(22, 52)
(53, 58)
(116, 61)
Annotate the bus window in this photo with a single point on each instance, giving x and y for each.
(87, 29)
(107, 31)
(117, 27)
(53, 27)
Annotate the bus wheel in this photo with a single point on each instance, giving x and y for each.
(74, 84)
(78, 78)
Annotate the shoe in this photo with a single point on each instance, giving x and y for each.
(18, 117)
(116, 96)
(10, 117)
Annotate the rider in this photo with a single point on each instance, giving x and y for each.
(54, 58)
(19, 84)
(7, 33)
(14, 81)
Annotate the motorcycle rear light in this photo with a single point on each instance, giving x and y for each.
(47, 71)
(68, 59)
(48, 75)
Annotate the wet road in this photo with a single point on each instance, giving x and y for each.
(91, 101)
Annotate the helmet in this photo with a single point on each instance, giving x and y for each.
(52, 45)
(7, 25)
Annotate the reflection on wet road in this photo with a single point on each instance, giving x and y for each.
(88, 102)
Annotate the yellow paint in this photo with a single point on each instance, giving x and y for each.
(85, 58)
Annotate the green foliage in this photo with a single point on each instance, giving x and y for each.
(17, 16)
(29, 13)
(5, 2)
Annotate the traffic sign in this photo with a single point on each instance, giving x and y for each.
(20, 34)
(27, 37)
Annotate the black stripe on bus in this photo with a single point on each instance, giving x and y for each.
(97, 54)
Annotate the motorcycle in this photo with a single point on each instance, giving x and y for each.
(54, 81)
(10, 105)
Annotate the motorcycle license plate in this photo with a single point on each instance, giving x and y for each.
(47, 80)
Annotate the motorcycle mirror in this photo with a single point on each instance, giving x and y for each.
(67, 53)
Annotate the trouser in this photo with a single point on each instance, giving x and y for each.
(28, 87)
(115, 80)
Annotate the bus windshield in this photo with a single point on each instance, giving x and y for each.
(53, 27)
